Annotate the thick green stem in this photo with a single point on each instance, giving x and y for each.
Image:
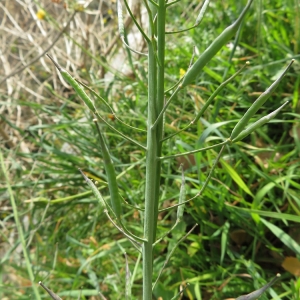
(154, 135)
(151, 171)
(161, 20)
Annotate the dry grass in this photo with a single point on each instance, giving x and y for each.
(78, 40)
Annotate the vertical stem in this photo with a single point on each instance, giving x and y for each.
(155, 105)
(161, 20)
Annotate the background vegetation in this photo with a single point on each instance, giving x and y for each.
(248, 216)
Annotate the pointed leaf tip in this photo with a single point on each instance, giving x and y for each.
(254, 295)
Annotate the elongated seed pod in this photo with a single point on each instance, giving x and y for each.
(111, 175)
(86, 99)
(259, 123)
(78, 89)
(180, 208)
(257, 105)
(202, 12)
(94, 189)
(109, 168)
(215, 46)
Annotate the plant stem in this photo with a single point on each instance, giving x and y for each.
(154, 135)
(161, 19)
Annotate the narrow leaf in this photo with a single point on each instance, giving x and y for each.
(283, 237)
(236, 177)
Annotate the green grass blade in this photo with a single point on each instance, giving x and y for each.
(283, 237)
(236, 177)
(28, 263)
(269, 214)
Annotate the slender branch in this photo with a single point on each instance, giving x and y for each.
(130, 238)
(209, 174)
(165, 107)
(119, 132)
(167, 233)
(121, 28)
(198, 20)
(194, 151)
(181, 292)
(136, 23)
(173, 2)
(161, 114)
(52, 294)
(208, 102)
(204, 185)
(171, 253)
(109, 107)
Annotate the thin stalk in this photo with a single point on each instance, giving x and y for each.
(171, 253)
(198, 20)
(195, 151)
(51, 293)
(208, 102)
(204, 185)
(136, 23)
(109, 107)
(209, 175)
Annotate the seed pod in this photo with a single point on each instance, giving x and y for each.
(111, 174)
(78, 89)
(257, 105)
(259, 123)
(212, 50)
(180, 208)
(94, 190)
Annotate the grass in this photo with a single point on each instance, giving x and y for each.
(70, 243)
